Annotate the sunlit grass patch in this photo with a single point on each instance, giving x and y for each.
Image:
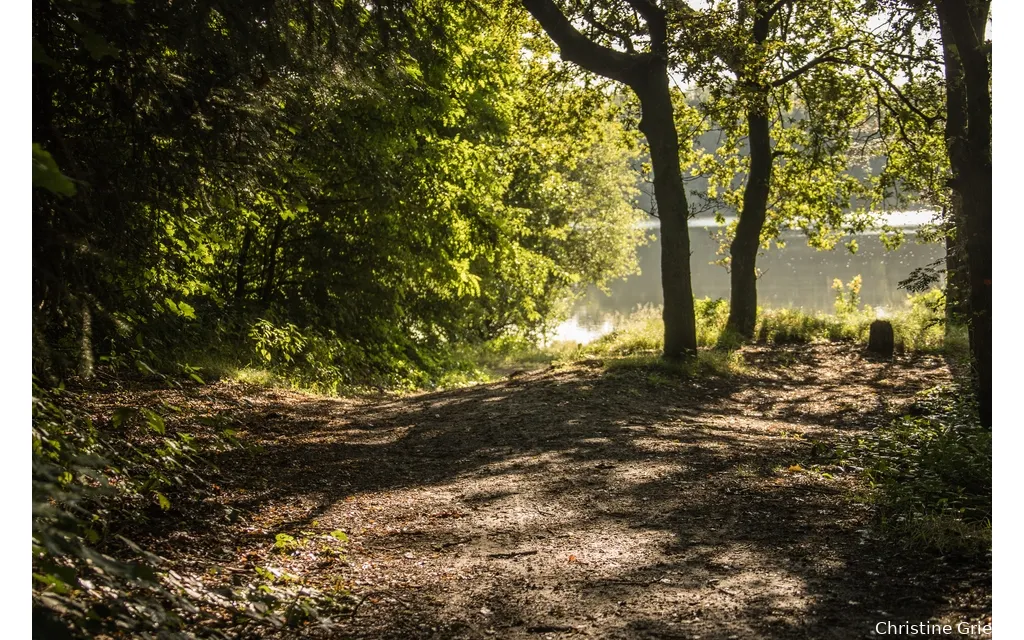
(641, 332)
(919, 325)
(723, 362)
(662, 371)
(325, 364)
(250, 375)
(945, 533)
(793, 326)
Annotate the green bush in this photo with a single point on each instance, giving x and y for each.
(931, 473)
(88, 484)
(276, 352)
(86, 580)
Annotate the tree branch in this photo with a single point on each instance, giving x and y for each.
(763, 19)
(770, 12)
(799, 71)
(621, 36)
(577, 48)
(929, 120)
(657, 27)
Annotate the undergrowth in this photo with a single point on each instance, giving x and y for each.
(95, 481)
(274, 354)
(930, 474)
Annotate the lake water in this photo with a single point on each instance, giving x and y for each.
(796, 276)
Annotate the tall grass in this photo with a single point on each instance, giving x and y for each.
(919, 325)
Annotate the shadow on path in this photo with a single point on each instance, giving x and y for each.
(623, 504)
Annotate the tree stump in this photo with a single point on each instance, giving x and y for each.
(881, 339)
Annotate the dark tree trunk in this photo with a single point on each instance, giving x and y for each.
(647, 75)
(269, 275)
(958, 285)
(743, 251)
(243, 258)
(969, 142)
(658, 126)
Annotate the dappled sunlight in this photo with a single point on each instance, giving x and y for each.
(577, 498)
(361, 435)
(432, 320)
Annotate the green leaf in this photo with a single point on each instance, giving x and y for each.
(165, 504)
(47, 175)
(339, 535)
(122, 415)
(284, 542)
(155, 422)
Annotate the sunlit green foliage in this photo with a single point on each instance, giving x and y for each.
(328, 194)
(809, 73)
(340, 196)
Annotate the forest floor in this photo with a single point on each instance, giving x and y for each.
(577, 501)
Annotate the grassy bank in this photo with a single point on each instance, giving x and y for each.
(286, 357)
(919, 325)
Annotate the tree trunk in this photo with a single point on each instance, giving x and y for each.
(969, 143)
(243, 258)
(743, 251)
(85, 355)
(958, 285)
(647, 75)
(275, 243)
(658, 126)
(978, 226)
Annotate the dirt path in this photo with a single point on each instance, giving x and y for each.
(580, 502)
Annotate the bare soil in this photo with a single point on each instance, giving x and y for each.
(578, 502)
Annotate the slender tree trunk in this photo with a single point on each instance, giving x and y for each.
(743, 251)
(969, 142)
(85, 354)
(243, 258)
(647, 75)
(275, 243)
(658, 126)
